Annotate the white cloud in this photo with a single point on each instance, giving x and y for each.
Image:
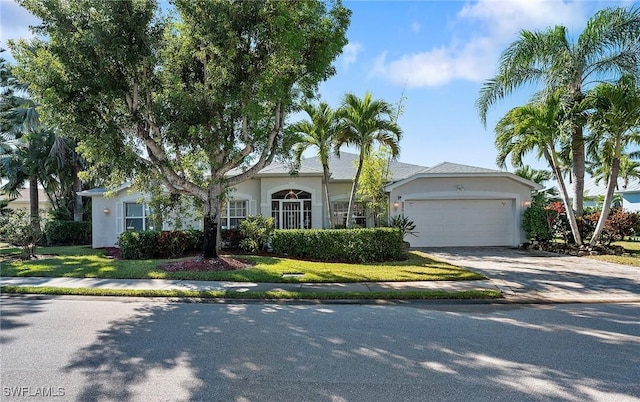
(415, 27)
(14, 22)
(350, 54)
(478, 35)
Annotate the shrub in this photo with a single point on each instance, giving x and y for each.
(619, 223)
(18, 230)
(230, 238)
(257, 232)
(67, 233)
(406, 225)
(361, 245)
(156, 244)
(139, 245)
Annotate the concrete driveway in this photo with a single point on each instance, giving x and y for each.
(542, 276)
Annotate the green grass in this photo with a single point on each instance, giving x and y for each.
(269, 295)
(84, 262)
(633, 259)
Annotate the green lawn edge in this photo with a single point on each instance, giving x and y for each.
(267, 295)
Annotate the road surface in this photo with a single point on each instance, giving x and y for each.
(124, 349)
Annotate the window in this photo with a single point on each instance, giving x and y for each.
(340, 209)
(137, 217)
(291, 209)
(232, 213)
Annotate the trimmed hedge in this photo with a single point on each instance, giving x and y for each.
(67, 233)
(155, 244)
(357, 245)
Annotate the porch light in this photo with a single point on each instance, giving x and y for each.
(106, 211)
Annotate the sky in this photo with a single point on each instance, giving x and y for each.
(434, 55)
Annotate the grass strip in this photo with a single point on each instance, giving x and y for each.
(268, 295)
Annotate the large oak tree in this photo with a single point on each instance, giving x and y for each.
(194, 98)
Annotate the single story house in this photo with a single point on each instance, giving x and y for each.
(627, 195)
(451, 204)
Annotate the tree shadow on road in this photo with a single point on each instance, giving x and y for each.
(204, 352)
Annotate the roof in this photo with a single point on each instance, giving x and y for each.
(593, 188)
(449, 169)
(99, 191)
(342, 168)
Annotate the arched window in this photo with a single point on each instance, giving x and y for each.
(291, 209)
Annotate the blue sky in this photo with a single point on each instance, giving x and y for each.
(436, 53)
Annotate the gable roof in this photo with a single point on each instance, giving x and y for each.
(456, 168)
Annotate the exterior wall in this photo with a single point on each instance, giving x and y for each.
(23, 202)
(464, 188)
(313, 185)
(631, 201)
(249, 191)
(107, 226)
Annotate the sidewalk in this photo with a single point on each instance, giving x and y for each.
(162, 284)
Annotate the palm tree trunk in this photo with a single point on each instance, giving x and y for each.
(327, 199)
(577, 150)
(354, 189)
(571, 217)
(608, 198)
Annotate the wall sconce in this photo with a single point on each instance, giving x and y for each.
(106, 211)
(460, 187)
(396, 203)
(527, 204)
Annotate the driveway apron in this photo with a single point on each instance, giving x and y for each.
(540, 276)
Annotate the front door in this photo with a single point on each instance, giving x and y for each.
(291, 214)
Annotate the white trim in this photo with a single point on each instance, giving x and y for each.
(392, 186)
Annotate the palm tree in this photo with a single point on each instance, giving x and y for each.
(605, 50)
(535, 175)
(319, 133)
(536, 127)
(364, 122)
(615, 123)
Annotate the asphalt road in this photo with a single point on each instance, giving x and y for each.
(108, 349)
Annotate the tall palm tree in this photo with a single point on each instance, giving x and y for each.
(615, 124)
(318, 133)
(605, 50)
(364, 122)
(536, 127)
(535, 175)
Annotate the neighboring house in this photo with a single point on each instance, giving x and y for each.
(628, 196)
(451, 204)
(23, 202)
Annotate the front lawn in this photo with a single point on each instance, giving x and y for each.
(84, 262)
(633, 259)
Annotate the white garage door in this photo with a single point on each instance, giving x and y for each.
(461, 222)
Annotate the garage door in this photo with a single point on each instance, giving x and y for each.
(461, 222)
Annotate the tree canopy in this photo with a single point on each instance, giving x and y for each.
(194, 99)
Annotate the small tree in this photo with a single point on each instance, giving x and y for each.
(22, 230)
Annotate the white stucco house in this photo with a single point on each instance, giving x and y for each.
(451, 204)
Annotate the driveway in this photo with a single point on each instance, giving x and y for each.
(542, 276)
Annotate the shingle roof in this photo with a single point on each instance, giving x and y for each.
(456, 168)
(342, 168)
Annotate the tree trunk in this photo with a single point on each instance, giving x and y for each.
(211, 242)
(354, 189)
(78, 210)
(578, 165)
(608, 198)
(573, 223)
(327, 199)
(34, 202)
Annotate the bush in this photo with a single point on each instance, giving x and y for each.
(357, 245)
(156, 244)
(16, 229)
(257, 232)
(230, 238)
(139, 245)
(67, 233)
(619, 223)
